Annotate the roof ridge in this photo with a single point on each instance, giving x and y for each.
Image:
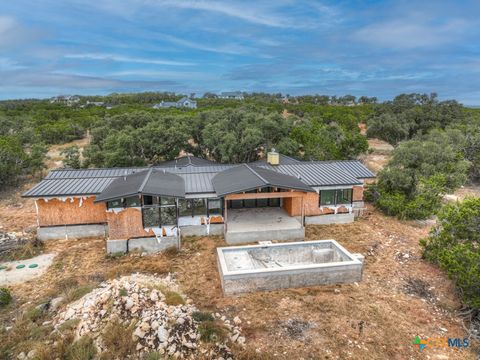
(144, 182)
(257, 174)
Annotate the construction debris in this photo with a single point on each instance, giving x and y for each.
(9, 241)
(161, 319)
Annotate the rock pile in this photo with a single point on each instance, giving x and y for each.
(162, 320)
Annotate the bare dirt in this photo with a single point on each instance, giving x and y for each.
(401, 296)
(54, 157)
(380, 154)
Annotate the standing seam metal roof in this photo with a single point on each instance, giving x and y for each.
(197, 179)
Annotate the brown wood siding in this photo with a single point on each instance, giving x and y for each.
(57, 212)
(358, 193)
(126, 224)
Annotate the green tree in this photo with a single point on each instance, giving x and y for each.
(454, 244)
(71, 156)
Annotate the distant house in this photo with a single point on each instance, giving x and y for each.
(184, 102)
(68, 100)
(95, 103)
(237, 95)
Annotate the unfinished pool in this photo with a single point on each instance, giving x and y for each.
(286, 265)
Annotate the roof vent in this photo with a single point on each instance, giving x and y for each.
(273, 158)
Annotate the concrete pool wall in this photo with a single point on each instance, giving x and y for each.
(286, 265)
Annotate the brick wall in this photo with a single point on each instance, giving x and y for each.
(57, 212)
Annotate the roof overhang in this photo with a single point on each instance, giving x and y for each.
(149, 182)
(246, 178)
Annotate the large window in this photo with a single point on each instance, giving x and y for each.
(199, 207)
(327, 197)
(214, 207)
(335, 197)
(158, 212)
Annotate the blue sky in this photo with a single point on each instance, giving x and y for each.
(373, 48)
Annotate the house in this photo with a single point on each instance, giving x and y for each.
(152, 207)
(237, 95)
(182, 103)
(68, 100)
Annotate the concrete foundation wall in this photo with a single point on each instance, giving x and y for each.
(329, 219)
(255, 236)
(267, 281)
(201, 230)
(72, 232)
(149, 244)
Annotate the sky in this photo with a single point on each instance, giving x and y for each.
(372, 48)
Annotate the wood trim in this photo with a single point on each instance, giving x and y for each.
(245, 196)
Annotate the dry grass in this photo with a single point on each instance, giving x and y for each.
(118, 340)
(375, 319)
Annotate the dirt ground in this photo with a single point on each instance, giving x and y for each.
(401, 296)
(378, 157)
(55, 159)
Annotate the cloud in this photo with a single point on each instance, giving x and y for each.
(13, 34)
(127, 59)
(233, 49)
(411, 33)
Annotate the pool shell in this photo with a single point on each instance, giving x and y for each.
(286, 265)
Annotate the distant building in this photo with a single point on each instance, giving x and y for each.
(182, 103)
(236, 95)
(68, 100)
(95, 103)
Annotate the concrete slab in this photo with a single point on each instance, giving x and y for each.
(330, 219)
(11, 275)
(262, 224)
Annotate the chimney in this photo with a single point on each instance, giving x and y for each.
(273, 158)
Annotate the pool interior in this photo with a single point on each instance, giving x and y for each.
(284, 256)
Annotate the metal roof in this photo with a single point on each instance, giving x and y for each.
(246, 177)
(187, 160)
(148, 182)
(283, 159)
(197, 178)
(317, 173)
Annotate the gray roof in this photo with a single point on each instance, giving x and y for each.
(317, 173)
(197, 175)
(283, 159)
(245, 177)
(187, 160)
(148, 182)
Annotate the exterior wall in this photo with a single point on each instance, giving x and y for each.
(72, 232)
(358, 193)
(79, 211)
(293, 206)
(126, 223)
(149, 245)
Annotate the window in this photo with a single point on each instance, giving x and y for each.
(214, 207)
(327, 197)
(185, 207)
(344, 196)
(168, 215)
(167, 200)
(117, 203)
(132, 201)
(199, 207)
(335, 197)
(150, 200)
(151, 217)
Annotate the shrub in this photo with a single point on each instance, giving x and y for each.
(211, 331)
(173, 298)
(5, 297)
(201, 316)
(118, 340)
(454, 245)
(82, 349)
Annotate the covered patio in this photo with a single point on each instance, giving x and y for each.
(260, 220)
(262, 224)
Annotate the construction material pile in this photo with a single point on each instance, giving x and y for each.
(161, 319)
(9, 241)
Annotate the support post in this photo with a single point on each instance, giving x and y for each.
(225, 217)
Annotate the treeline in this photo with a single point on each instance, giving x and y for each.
(226, 136)
(437, 150)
